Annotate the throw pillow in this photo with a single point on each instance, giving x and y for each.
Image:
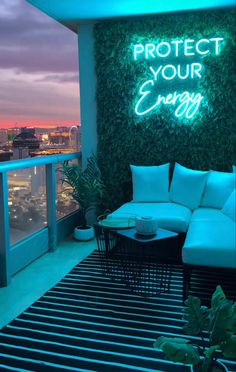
(187, 186)
(218, 188)
(150, 183)
(229, 207)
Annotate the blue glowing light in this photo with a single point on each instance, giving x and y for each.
(66, 10)
(188, 47)
(187, 103)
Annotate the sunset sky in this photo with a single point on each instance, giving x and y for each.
(38, 69)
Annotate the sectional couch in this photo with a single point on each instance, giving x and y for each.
(199, 205)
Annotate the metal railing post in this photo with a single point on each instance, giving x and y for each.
(5, 275)
(51, 205)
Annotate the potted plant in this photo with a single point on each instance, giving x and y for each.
(216, 326)
(86, 188)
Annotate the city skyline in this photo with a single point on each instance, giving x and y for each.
(38, 69)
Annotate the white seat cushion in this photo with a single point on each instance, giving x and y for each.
(211, 239)
(170, 216)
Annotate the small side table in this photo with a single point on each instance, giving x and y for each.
(146, 260)
(109, 248)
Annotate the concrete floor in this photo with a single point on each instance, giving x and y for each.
(41, 275)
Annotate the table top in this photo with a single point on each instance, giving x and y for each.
(161, 234)
(117, 223)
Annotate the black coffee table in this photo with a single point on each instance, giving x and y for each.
(146, 260)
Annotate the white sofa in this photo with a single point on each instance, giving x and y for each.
(200, 204)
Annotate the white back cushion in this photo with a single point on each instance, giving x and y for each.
(229, 207)
(187, 186)
(219, 186)
(150, 183)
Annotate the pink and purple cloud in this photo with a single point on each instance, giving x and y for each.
(38, 68)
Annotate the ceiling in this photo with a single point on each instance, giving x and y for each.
(73, 12)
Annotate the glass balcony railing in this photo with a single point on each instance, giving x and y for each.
(26, 202)
(35, 210)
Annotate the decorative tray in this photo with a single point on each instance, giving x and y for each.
(117, 223)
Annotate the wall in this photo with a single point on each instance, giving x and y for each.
(207, 140)
(87, 91)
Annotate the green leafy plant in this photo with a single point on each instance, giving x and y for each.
(216, 325)
(85, 186)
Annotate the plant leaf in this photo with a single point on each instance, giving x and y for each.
(224, 323)
(162, 339)
(209, 358)
(217, 300)
(195, 315)
(178, 350)
(229, 347)
(210, 351)
(85, 186)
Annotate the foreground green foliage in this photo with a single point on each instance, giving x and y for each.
(85, 186)
(217, 323)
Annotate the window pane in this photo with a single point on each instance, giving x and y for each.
(27, 202)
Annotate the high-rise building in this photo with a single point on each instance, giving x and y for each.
(24, 143)
(5, 155)
(75, 138)
(3, 137)
(59, 137)
(12, 133)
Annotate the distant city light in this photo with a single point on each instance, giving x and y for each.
(27, 188)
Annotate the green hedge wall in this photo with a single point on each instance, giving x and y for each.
(208, 140)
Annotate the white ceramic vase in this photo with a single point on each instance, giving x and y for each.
(146, 225)
(83, 234)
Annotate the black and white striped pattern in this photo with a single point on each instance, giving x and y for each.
(88, 322)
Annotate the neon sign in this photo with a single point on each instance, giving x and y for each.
(187, 102)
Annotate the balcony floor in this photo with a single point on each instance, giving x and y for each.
(92, 322)
(37, 278)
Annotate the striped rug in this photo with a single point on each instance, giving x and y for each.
(88, 322)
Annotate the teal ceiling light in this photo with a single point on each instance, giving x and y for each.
(72, 12)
